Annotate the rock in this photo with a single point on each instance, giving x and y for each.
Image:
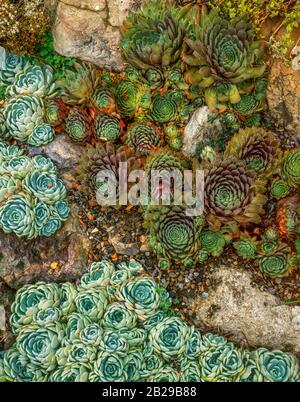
(89, 30)
(198, 129)
(234, 305)
(62, 257)
(123, 248)
(64, 153)
(2, 318)
(284, 97)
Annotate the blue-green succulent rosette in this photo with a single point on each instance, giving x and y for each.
(17, 167)
(8, 186)
(41, 135)
(10, 66)
(22, 114)
(8, 152)
(45, 165)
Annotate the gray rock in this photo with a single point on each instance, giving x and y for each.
(2, 318)
(236, 306)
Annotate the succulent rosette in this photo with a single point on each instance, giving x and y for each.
(276, 366)
(279, 189)
(131, 97)
(34, 79)
(76, 352)
(212, 242)
(246, 247)
(43, 164)
(275, 265)
(17, 216)
(291, 168)
(223, 51)
(41, 135)
(117, 316)
(151, 364)
(17, 167)
(11, 65)
(108, 368)
(68, 294)
(103, 99)
(61, 209)
(9, 151)
(169, 337)
(91, 303)
(132, 365)
(140, 296)
(165, 374)
(52, 112)
(52, 225)
(154, 320)
(107, 127)
(47, 316)
(73, 372)
(45, 187)
(22, 114)
(91, 335)
(114, 342)
(31, 299)
(190, 371)
(8, 186)
(77, 125)
(231, 193)
(143, 137)
(211, 342)
(164, 108)
(98, 276)
(134, 337)
(40, 344)
(193, 345)
(75, 323)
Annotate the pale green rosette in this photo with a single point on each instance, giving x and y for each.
(117, 316)
(42, 214)
(154, 320)
(151, 364)
(91, 335)
(190, 371)
(133, 267)
(17, 216)
(46, 188)
(34, 79)
(76, 322)
(169, 338)
(9, 152)
(41, 135)
(73, 372)
(8, 186)
(132, 365)
(98, 276)
(31, 299)
(140, 295)
(11, 65)
(52, 225)
(114, 342)
(39, 344)
(17, 167)
(165, 374)
(47, 316)
(22, 114)
(76, 352)
(108, 368)
(119, 277)
(134, 337)
(44, 165)
(105, 265)
(277, 366)
(194, 343)
(251, 372)
(211, 341)
(68, 293)
(17, 368)
(61, 209)
(91, 303)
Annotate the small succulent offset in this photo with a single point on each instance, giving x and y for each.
(143, 137)
(223, 52)
(32, 200)
(113, 330)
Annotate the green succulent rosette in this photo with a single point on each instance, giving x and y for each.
(143, 137)
(190, 371)
(117, 316)
(43, 164)
(31, 299)
(169, 337)
(45, 187)
(52, 113)
(245, 248)
(77, 126)
(41, 135)
(99, 275)
(91, 335)
(134, 337)
(140, 296)
(11, 65)
(108, 368)
(275, 265)
(103, 99)
(154, 320)
(291, 168)
(212, 242)
(165, 374)
(193, 345)
(17, 167)
(151, 364)
(22, 114)
(51, 226)
(61, 209)
(72, 372)
(164, 108)
(9, 151)
(118, 277)
(107, 127)
(279, 189)
(8, 186)
(76, 352)
(75, 323)
(131, 97)
(247, 105)
(40, 344)
(91, 303)
(33, 79)
(68, 294)
(17, 216)
(132, 365)
(18, 368)
(276, 366)
(211, 342)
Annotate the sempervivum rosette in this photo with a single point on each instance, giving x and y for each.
(131, 97)
(11, 65)
(117, 316)
(45, 187)
(17, 167)
(91, 303)
(41, 135)
(68, 294)
(151, 364)
(193, 345)
(91, 334)
(275, 265)
(108, 368)
(73, 372)
(276, 366)
(223, 51)
(246, 247)
(31, 299)
(257, 148)
(103, 99)
(75, 323)
(52, 113)
(143, 137)
(22, 114)
(190, 371)
(43, 164)
(140, 296)
(77, 125)
(47, 316)
(173, 234)
(40, 344)
(34, 79)
(132, 365)
(169, 337)
(291, 168)
(17, 216)
(114, 342)
(8, 186)
(164, 108)
(98, 276)
(76, 352)
(165, 374)
(212, 242)
(107, 127)
(279, 189)
(231, 193)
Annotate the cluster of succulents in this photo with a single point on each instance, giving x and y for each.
(111, 327)
(32, 199)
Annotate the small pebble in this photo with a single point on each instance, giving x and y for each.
(204, 294)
